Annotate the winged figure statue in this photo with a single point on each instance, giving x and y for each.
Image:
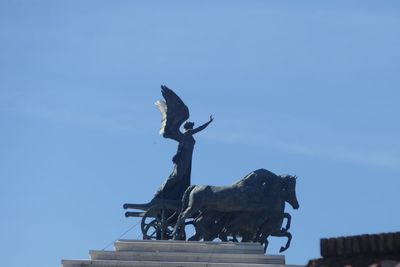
(174, 113)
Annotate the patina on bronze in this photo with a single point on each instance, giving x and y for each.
(174, 112)
(252, 208)
(160, 214)
(248, 210)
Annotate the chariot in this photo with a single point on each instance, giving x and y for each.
(252, 208)
(158, 217)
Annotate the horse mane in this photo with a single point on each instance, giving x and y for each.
(258, 178)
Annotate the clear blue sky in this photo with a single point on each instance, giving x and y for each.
(301, 87)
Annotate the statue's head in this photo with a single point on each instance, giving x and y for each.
(188, 125)
(289, 190)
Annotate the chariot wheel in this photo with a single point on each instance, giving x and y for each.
(158, 222)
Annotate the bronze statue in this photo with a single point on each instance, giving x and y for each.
(174, 112)
(252, 207)
(248, 210)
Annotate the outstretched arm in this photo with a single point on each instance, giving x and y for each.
(202, 127)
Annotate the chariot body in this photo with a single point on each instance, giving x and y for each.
(158, 217)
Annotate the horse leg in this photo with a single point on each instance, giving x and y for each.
(180, 223)
(195, 237)
(263, 239)
(247, 236)
(234, 239)
(286, 234)
(207, 230)
(209, 236)
(212, 231)
(265, 244)
(223, 237)
(186, 211)
(198, 228)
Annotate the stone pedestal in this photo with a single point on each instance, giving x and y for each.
(149, 253)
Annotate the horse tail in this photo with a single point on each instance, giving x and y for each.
(185, 198)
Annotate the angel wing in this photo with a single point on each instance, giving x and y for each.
(173, 113)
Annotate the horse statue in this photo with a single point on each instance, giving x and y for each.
(252, 207)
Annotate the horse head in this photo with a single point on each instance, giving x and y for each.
(289, 190)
